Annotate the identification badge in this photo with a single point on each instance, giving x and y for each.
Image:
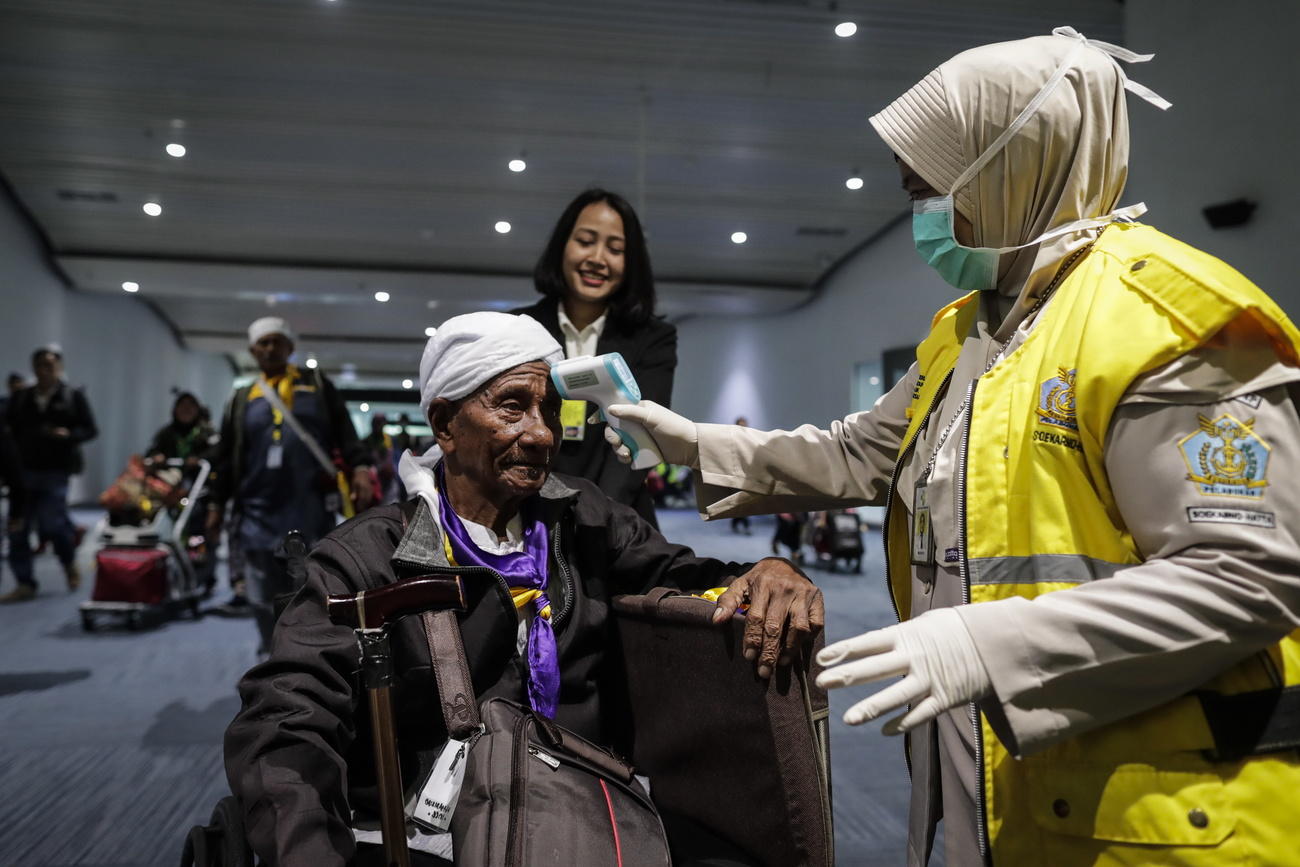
(275, 456)
(435, 802)
(922, 531)
(573, 419)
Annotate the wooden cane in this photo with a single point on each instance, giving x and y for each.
(370, 613)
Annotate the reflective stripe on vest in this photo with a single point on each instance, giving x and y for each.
(1041, 569)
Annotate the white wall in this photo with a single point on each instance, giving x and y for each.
(115, 348)
(1232, 73)
(1234, 79)
(782, 371)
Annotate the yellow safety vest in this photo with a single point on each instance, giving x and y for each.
(1036, 515)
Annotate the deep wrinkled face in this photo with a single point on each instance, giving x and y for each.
(503, 437)
(593, 257)
(272, 353)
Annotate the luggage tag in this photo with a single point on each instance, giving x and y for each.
(435, 801)
(275, 456)
(573, 419)
(922, 530)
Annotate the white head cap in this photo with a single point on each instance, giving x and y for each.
(269, 325)
(469, 350)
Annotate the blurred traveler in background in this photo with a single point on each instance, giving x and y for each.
(188, 437)
(274, 466)
(11, 476)
(600, 298)
(381, 448)
(789, 532)
(14, 384)
(50, 420)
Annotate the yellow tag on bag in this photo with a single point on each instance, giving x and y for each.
(573, 419)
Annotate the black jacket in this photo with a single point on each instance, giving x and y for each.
(227, 457)
(41, 450)
(303, 732)
(651, 353)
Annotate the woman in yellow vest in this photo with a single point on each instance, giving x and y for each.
(1089, 476)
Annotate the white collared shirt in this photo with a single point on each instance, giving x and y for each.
(486, 538)
(577, 343)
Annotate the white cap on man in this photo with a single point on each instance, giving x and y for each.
(269, 325)
(470, 349)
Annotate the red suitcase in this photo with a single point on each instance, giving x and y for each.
(130, 575)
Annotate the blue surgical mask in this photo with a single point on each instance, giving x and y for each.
(975, 269)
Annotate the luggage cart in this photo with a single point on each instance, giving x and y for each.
(153, 566)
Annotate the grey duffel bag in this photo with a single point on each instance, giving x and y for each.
(535, 793)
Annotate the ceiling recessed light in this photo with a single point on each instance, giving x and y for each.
(153, 209)
(381, 296)
(516, 165)
(853, 183)
(845, 29)
(365, 407)
(432, 304)
(311, 362)
(502, 227)
(176, 150)
(130, 286)
(429, 332)
(406, 383)
(739, 237)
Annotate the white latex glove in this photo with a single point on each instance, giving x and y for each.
(934, 652)
(674, 434)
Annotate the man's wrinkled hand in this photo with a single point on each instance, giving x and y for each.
(786, 611)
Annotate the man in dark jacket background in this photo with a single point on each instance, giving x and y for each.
(269, 475)
(50, 420)
(298, 754)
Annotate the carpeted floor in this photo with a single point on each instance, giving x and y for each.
(111, 742)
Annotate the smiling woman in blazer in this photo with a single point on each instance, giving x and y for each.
(599, 297)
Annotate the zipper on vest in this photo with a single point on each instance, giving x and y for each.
(889, 498)
(515, 829)
(981, 820)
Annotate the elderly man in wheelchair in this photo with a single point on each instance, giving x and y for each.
(540, 556)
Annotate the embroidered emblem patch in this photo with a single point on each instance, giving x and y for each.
(1226, 458)
(1056, 400)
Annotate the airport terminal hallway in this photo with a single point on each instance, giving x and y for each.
(111, 743)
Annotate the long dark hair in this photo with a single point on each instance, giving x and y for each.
(633, 303)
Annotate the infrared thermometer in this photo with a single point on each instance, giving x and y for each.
(605, 380)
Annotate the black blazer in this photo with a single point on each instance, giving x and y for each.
(651, 352)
